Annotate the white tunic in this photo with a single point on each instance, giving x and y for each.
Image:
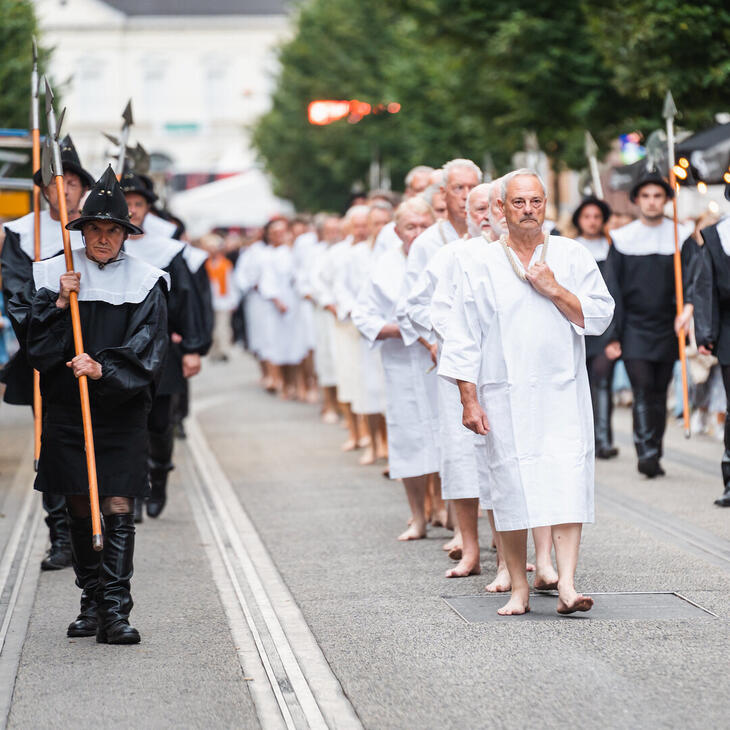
(369, 396)
(287, 344)
(387, 240)
(412, 420)
(420, 253)
(247, 274)
(528, 362)
(428, 307)
(311, 285)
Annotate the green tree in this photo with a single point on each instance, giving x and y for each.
(17, 27)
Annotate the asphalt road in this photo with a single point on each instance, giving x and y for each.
(376, 607)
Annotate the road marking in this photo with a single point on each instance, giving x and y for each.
(671, 529)
(307, 691)
(18, 579)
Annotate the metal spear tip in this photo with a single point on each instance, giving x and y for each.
(49, 95)
(111, 138)
(46, 156)
(127, 114)
(59, 124)
(670, 108)
(591, 146)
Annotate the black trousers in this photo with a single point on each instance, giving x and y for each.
(725, 369)
(600, 378)
(649, 383)
(159, 425)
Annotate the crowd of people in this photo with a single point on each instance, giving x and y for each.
(468, 348)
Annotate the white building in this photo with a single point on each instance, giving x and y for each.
(199, 73)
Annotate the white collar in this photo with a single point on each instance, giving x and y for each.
(723, 231)
(155, 250)
(125, 280)
(51, 235)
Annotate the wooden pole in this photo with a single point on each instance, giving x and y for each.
(670, 111)
(97, 539)
(36, 138)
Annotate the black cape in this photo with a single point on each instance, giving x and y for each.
(130, 341)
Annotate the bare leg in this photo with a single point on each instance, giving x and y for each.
(371, 425)
(416, 493)
(329, 409)
(467, 516)
(567, 545)
(351, 443)
(546, 579)
(381, 437)
(454, 545)
(514, 543)
(362, 430)
(501, 582)
(439, 511)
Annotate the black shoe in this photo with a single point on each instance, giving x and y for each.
(158, 491)
(724, 501)
(86, 563)
(114, 596)
(651, 468)
(57, 557)
(180, 431)
(606, 452)
(138, 510)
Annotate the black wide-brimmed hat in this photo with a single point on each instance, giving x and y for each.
(591, 200)
(650, 177)
(133, 183)
(70, 162)
(106, 203)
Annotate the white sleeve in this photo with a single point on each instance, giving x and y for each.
(461, 354)
(588, 285)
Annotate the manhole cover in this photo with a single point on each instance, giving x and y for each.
(608, 607)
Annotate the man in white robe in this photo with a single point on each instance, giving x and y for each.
(459, 177)
(412, 420)
(514, 345)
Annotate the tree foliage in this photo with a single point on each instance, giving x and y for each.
(17, 28)
(474, 77)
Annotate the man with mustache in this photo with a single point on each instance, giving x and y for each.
(513, 343)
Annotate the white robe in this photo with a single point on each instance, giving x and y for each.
(288, 343)
(257, 313)
(369, 391)
(312, 285)
(420, 253)
(413, 439)
(528, 362)
(428, 307)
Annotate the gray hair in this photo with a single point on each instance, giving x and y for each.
(458, 163)
(522, 172)
(417, 170)
(413, 205)
(380, 204)
(482, 187)
(429, 192)
(357, 210)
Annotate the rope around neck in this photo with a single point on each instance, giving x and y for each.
(519, 271)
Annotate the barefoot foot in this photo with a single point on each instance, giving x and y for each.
(570, 602)
(414, 532)
(529, 567)
(516, 606)
(349, 445)
(546, 579)
(440, 518)
(501, 583)
(455, 541)
(368, 457)
(456, 553)
(465, 568)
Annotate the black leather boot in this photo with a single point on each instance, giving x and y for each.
(644, 438)
(160, 465)
(59, 554)
(114, 597)
(724, 501)
(602, 412)
(138, 510)
(86, 563)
